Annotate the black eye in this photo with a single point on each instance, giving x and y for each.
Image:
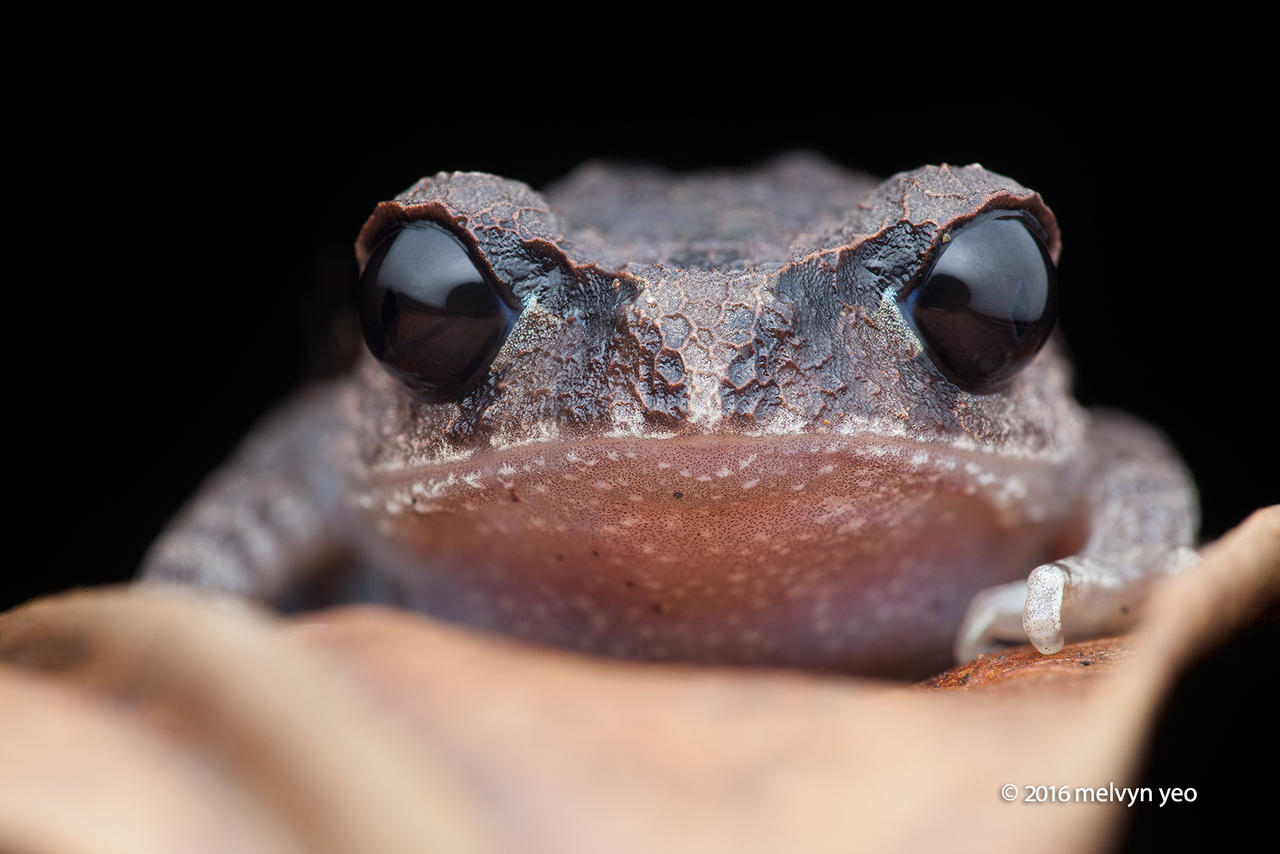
(430, 315)
(989, 302)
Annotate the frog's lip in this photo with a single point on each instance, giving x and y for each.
(715, 466)
(693, 448)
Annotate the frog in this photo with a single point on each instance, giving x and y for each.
(786, 416)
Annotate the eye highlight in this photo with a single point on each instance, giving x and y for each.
(431, 315)
(989, 301)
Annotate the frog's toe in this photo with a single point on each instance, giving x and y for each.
(1017, 612)
(994, 618)
(1042, 616)
(1082, 597)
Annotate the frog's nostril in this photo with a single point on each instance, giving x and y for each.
(430, 314)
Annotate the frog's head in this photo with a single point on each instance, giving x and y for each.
(749, 405)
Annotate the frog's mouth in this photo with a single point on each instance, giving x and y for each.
(814, 551)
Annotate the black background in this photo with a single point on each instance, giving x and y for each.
(187, 214)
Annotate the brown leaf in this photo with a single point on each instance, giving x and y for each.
(371, 729)
(1022, 668)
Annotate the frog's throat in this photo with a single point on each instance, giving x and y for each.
(813, 551)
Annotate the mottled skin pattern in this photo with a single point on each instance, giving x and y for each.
(755, 320)
(711, 435)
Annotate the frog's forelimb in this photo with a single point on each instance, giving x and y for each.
(264, 521)
(1142, 520)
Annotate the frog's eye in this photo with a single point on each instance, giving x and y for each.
(430, 314)
(988, 303)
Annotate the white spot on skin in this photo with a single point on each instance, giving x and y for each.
(852, 525)
(572, 457)
(1014, 490)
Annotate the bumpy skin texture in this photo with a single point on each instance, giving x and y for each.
(732, 315)
(711, 435)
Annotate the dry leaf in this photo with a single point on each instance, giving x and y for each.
(366, 729)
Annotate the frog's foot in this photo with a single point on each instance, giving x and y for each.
(994, 618)
(1070, 599)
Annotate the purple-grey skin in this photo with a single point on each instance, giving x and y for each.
(710, 436)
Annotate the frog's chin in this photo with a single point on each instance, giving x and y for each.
(815, 551)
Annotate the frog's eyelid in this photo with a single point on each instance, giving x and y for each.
(1031, 211)
(463, 235)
